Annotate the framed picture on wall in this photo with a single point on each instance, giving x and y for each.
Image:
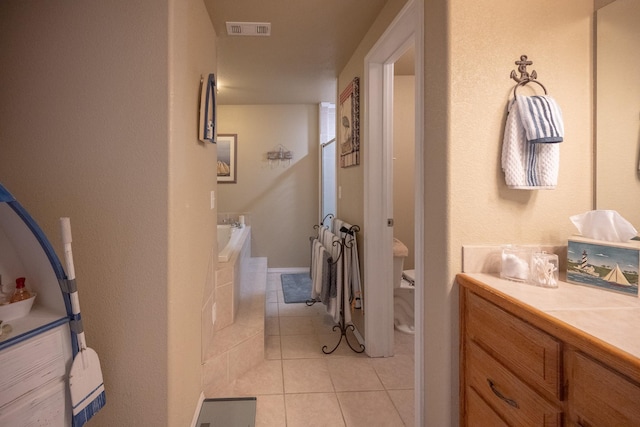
(227, 163)
(207, 122)
(349, 124)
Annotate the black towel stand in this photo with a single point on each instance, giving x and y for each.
(342, 324)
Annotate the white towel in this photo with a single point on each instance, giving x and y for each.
(352, 279)
(323, 237)
(318, 255)
(333, 245)
(333, 274)
(527, 165)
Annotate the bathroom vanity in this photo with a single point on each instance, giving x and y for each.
(532, 356)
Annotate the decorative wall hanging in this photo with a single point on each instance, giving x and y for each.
(349, 124)
(280, 156)
(207, 124)
(227, 150)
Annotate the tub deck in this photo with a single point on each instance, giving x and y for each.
(238, 347)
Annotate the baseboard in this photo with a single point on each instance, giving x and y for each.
(288, 270)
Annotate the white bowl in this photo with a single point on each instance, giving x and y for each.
(16, 310)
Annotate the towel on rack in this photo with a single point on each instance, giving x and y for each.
(324, 236)
(327, 271)
(527, 165)
(317, 269)
(353, 284)
(333, 245)
(322, 280)
(329, 290)
(542, 118)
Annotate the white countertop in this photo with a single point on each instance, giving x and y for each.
(608, 316)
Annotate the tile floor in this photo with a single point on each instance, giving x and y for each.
(298, 385)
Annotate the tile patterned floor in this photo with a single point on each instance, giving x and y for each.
(299, 386)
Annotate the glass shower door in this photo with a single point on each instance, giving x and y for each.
(328, 199)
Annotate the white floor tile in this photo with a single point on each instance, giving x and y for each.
(300, 386)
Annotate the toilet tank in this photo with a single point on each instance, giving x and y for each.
(400, 252)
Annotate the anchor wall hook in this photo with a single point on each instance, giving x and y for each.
(525, 76)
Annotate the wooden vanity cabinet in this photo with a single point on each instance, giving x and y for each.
(519, 367)
(601, 396)
(512, 366)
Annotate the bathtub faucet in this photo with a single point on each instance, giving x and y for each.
(232, 223)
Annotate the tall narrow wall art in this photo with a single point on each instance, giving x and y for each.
(349, 124)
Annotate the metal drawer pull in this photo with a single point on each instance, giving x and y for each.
(501, 396)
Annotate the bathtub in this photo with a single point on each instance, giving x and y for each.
(228, 239)
(234, 253)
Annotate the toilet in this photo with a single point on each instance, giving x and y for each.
(403, 290)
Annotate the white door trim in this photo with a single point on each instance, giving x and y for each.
(406, 29)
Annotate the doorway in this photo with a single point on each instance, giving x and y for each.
(405, 31)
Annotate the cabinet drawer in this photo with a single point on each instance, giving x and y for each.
(480, 414)
(531, 354)
(600, 396)
(27, 366)
(511, 398)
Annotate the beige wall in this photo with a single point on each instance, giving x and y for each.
(481, 210)
(601, 3)
(281, 202)
(440, 304)
(469, 49)
(192, 232)
(481, 56)
(351, 179)
(96, 124)
(129, 171)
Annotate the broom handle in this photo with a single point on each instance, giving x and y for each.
(65, 228)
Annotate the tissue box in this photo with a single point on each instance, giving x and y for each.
(612, 266)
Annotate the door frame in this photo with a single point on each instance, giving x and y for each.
(406, 29)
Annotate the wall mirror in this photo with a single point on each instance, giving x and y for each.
(617, 183)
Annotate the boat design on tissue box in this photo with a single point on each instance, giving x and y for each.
(605, 265)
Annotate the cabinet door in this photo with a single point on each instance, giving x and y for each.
(601, 397)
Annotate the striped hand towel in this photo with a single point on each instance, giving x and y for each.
(527, 165)
(541, 118)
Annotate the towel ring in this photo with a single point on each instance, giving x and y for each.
(524, 82)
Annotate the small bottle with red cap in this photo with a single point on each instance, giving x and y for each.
(21, 292)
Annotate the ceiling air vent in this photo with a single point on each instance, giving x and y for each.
(249, 28)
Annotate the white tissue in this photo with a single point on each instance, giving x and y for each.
(604, 225)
